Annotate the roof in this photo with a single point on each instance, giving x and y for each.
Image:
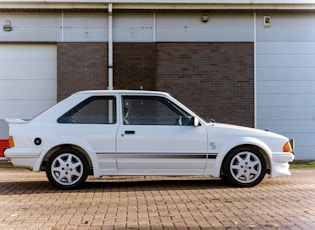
(131, 92)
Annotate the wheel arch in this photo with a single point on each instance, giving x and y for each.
(58, 147)
(263, 152)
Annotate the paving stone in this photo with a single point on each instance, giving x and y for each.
(28, 201)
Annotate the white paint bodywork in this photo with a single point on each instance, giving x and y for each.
(150, 150)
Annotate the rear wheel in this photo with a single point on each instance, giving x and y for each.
(67, 168)
(244, 167)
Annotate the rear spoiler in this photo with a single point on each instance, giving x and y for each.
(16, 121)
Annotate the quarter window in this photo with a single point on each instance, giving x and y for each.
(94, 110)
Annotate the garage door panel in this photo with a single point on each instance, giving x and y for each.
(32, 89)
(290, 113)
(283, 87)
(27, 52)
(286, 74)
(28, 79)
(285, 35)
(286, 90)
(286, 126)
(284, 60)
(286, 100)
(24, 109)
(21, 69)
(287, 48)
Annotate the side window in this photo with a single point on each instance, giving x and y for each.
(94, 110)
(152, 110)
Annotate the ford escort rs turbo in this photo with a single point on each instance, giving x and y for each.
(126, 132)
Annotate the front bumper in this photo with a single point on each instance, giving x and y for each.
(280, 164)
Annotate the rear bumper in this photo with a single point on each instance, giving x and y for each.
(25, 158)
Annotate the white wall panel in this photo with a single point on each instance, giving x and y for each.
(30, 27)
(189, 27)
(292, 27)
(128, 27)
(84, 27)
(133, 27)
(53, 27)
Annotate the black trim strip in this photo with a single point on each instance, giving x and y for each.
(212, 155)
(165, 155)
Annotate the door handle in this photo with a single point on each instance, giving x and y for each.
(130, 132)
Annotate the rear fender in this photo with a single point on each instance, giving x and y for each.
(67, 141)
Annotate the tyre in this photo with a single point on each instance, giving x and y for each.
(67, 168)
(244, 167)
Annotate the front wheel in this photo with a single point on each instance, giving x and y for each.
(244, 167)
(67, 168)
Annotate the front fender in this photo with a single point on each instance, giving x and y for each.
(237, 142)
(66, 141)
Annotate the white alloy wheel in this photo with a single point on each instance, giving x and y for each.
(67, 169)
(245, 167)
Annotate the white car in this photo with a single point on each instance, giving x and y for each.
(122, 132)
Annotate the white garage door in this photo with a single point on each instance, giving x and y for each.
(28, 80)
(286, 80)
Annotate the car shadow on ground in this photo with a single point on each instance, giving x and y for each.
(108, 185)
(114, 184)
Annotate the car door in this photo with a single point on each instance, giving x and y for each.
(157, 138)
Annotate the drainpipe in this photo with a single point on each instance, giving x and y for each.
(110, 46)
(255, 71)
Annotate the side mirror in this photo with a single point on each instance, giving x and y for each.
(195, 121)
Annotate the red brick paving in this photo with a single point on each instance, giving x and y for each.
(28, 201)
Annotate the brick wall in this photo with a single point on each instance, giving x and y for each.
(134, 65)
(216, 80)
(80, 66)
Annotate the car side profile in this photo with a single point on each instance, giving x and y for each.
(126, 132)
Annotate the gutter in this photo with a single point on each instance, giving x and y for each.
(208, 5)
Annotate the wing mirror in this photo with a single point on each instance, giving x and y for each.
(195, 121)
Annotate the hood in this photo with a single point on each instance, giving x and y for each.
(244, 131)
